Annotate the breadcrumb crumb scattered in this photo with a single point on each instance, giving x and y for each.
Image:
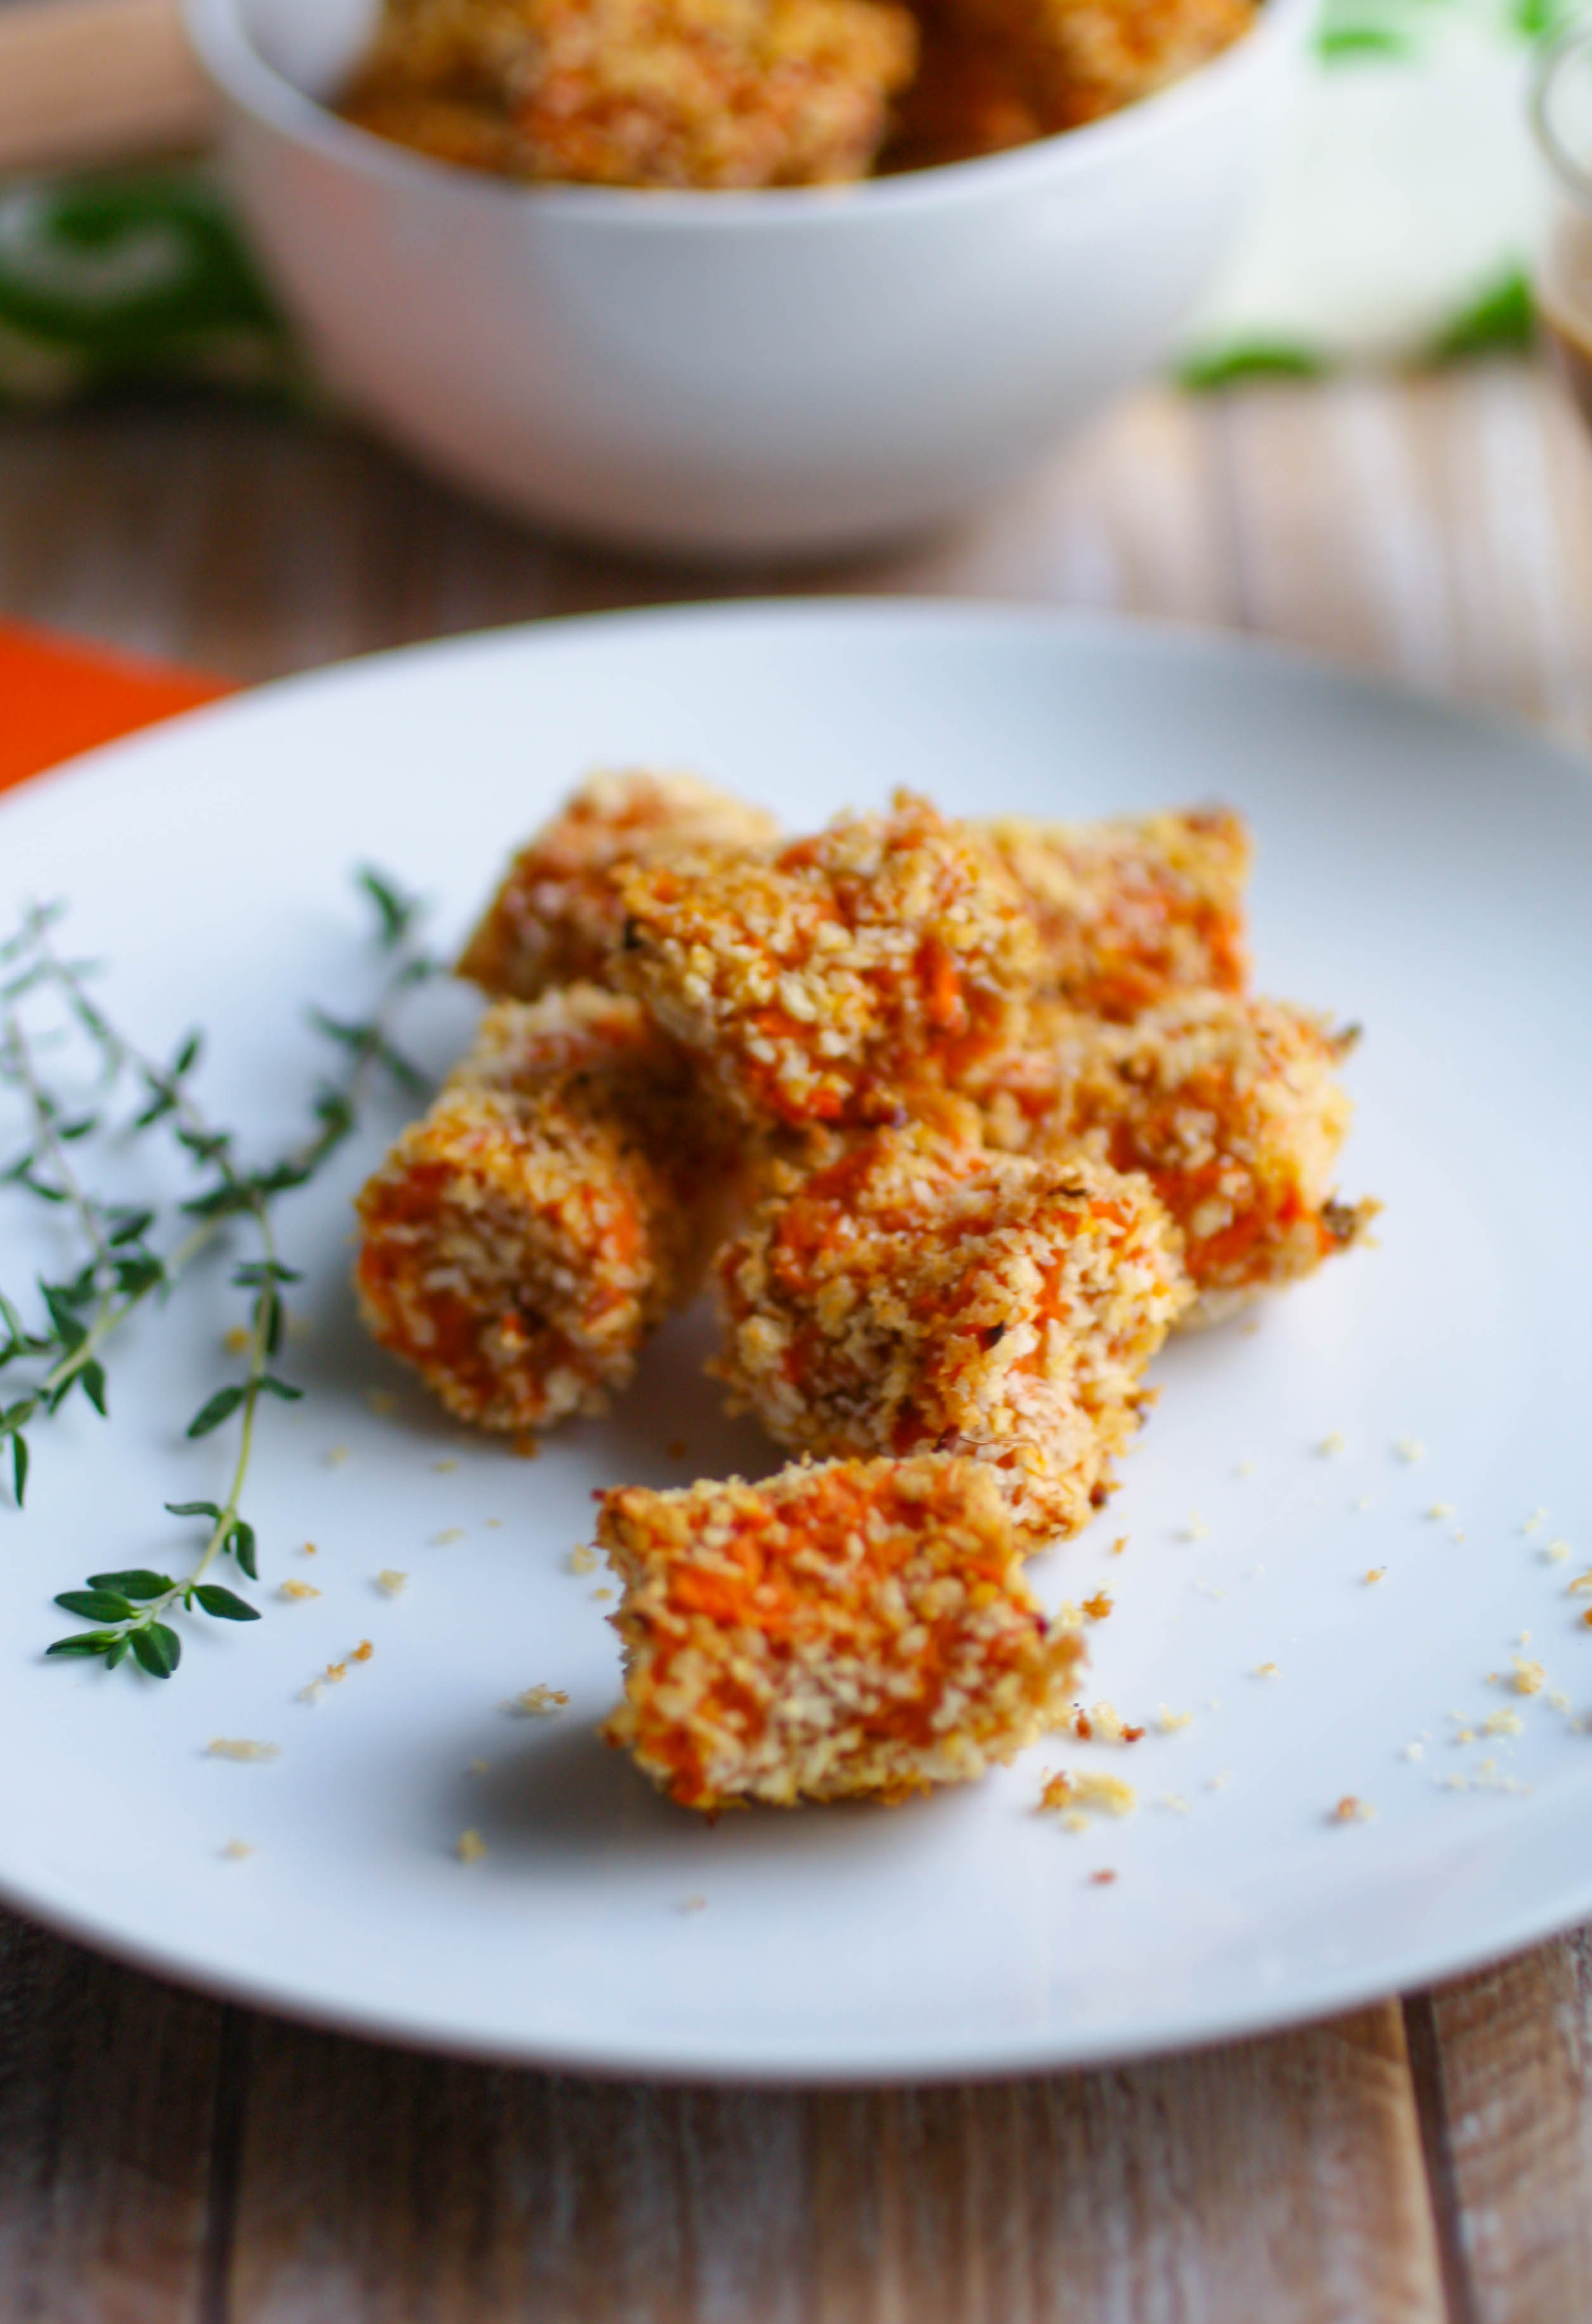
(1220, 1780)
(1557, 1551)
(362, 1652)
(1502, 1722)
(444, 1467)
(237, 1849)
(1375, 1572)
(693, 1904)
(1197, 1530)
(298, 1590)
(390, 1580)
(238, 1340)
(1331, 1445)
(469, 1847)
(336, 1456)
(451, 1533)
(583, 1558)
(1095, 1609)
(1441, 1509)
(1267, 1670)
(1245, 1469)
(309, 1550)
(1170, 1723)
(480, 1767)
(1102, 1722)
(1536, 1518)
(1411, 1449)
(1174, 1803)
(1105, 1794)
(227, 1747)
(381, 1401)
(1414, 1751)
(1101, 1879)
(1119, 1545)
(1350, 1810)
(538, 1702)
(1529, 1676)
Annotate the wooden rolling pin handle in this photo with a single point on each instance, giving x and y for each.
(89, 81)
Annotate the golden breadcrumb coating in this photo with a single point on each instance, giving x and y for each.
(1133, 911)
(522, 1238)
(1229, 1106)
(920, 1294)
(992, 74)
(557, 918)
(997, 73)
(684, 93)
(831, 980)
(858, 1629)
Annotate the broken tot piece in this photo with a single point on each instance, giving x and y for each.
(524, 1237)
(861, 1629)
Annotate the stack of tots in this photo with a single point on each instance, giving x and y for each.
(962, 1120)
(716, 94)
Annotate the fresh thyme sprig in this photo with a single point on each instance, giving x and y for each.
(122, 1268)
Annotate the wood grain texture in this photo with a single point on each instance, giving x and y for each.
(95, 81)
(159, 2157)
(108, 2096)
(1282, 2180)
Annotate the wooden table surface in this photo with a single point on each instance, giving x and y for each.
(166, 2157)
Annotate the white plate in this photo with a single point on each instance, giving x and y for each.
(1425, 872)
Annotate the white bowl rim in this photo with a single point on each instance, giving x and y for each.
(243, 76)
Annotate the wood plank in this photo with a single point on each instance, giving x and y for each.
(108, 2086)
(1282, 2180)
(1504, 2076)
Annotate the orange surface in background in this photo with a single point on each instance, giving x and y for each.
(57, 699)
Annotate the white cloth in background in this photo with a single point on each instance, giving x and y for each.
(1409, 191)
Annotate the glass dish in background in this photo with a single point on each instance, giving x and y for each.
(1561, 115)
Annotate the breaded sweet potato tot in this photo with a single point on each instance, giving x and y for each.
(997, 73)
(829, 981)
(861, 1629)
(1133, 911)
(557, 918)
(684, 93)
(521, 1240)
(920, 1294)
(1229, 1106)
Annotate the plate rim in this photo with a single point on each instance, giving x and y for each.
(982, 2057)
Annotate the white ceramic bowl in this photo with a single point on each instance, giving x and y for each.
(793, 372)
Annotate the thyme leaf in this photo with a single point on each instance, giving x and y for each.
(129, 1256)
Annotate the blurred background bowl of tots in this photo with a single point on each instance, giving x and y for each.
(738, 278)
